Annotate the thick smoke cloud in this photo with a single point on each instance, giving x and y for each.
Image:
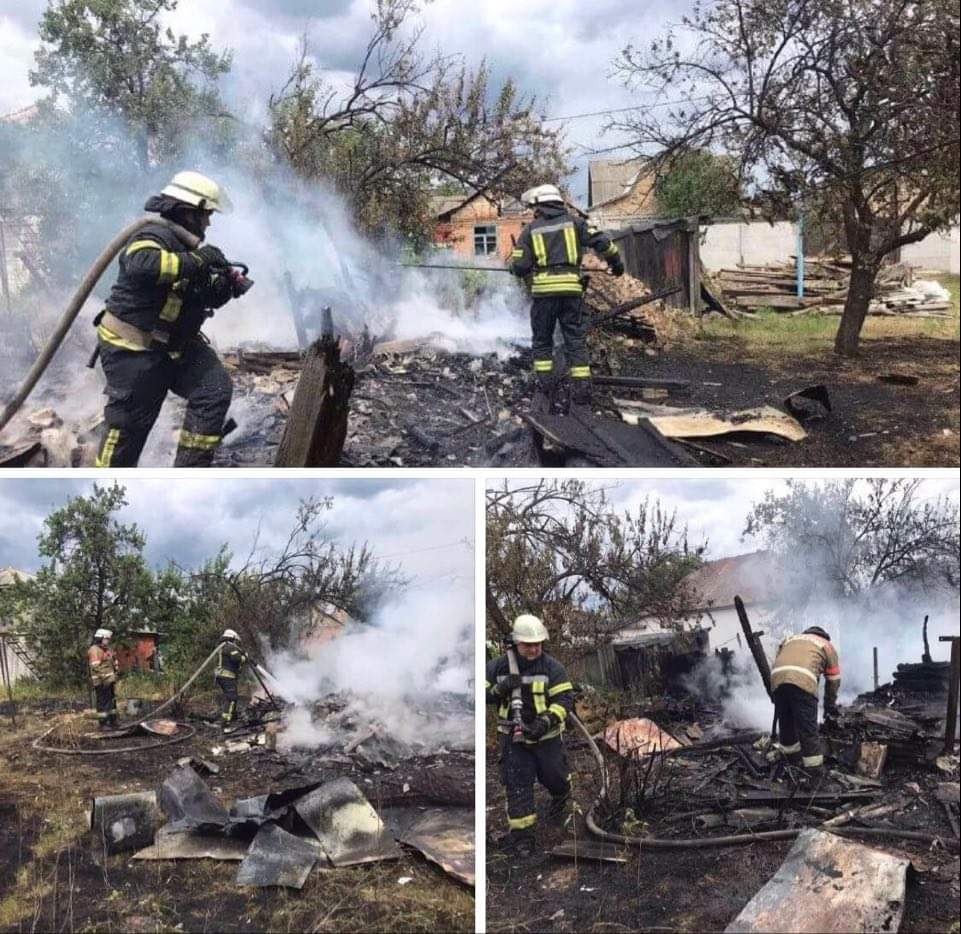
(395, 672)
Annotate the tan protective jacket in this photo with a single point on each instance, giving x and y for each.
(802, 659)
(103, 665)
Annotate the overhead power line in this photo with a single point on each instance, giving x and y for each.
(622, 110)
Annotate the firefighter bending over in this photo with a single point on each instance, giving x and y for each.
(534, 751)
(800, 662)
(550, 250)
(102, 664)
(149, 333)
(231, 659)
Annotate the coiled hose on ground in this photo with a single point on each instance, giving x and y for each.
(652, 843)
(76, 303)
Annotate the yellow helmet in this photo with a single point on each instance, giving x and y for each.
(199, 191)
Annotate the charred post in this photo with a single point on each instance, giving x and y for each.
(951, 720)
(317, 425)
(754, 644)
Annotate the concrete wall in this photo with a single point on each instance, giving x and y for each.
(757, 242)
(936, 251)
(726, 245)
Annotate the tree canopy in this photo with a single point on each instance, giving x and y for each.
(853, 102)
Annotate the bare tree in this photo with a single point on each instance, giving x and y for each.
(850, 101)
(559, 549)
(408, 122)
(860, 535)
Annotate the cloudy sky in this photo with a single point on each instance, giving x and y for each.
(716, 510)
(425, 527)
(558, 50)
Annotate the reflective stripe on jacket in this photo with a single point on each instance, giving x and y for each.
(102, 663)
(162, 289)
(551, 248)
(545, 689)
(230, 659)
(802, 659)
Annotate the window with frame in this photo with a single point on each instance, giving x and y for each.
(485, 240)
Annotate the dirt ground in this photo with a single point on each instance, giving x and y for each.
(872, 423)
(50, 879)
(700, 890)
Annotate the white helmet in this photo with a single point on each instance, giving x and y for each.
(103, 634)
(229, 634)
(528, 628)
(200, 191)
(542, 194)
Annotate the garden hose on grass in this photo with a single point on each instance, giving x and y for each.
(76, 303)
(652, 843)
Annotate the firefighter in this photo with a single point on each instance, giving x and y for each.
(102, 664)
(231, 659)
(149, 338)
(536, 753)
(800, 662)
(549, 251)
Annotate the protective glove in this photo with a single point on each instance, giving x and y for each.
(617, 268)
(509, 684)
(209, 256)
(538, 727)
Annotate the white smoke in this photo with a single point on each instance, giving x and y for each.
(394, 673)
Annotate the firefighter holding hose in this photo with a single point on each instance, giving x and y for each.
(549, 251)
(103, 668)
(795, 677)
(531, 747)
(149, 333)
(231, 659)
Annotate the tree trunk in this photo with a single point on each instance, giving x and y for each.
(860, 293)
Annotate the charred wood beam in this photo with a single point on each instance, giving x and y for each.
(640, 382)
(951, 719)
(317, 425)
(754, 644)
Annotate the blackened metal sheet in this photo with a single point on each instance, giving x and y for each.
(595, 850)
(349, 829)
(828, 884)
(175, 845)
(446, 837)
(278, 858)
(189, 803)
(125, 822)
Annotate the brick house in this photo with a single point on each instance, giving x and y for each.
(477, 227)
(619, 191)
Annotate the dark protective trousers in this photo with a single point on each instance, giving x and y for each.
(797, 717)
(521, 766)
(570, 313)
(228, 700)
(138, 383)
(106, 697)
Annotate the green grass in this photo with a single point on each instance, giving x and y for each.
(814, 334)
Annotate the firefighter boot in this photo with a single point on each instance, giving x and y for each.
(581, 394)
(542, 399)
(559, 808)
(521, 843)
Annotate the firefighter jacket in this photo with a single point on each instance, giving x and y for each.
(230, 659)
(102, 663)
(163, 290)
(545, 689)
(802, 659)
(550, 250)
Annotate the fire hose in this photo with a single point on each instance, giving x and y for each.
(653, 843)
(76, 303)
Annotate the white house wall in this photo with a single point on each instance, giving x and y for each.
(941, 251)
(724, 246)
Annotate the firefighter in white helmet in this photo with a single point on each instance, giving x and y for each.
(549, 252)
(231, 659)
(104, 671)
(149, 333)
(534, 750)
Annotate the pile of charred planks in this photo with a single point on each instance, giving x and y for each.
(774, 286)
